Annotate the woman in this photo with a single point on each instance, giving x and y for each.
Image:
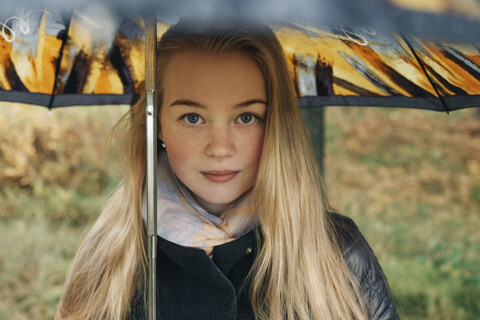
(244, 231)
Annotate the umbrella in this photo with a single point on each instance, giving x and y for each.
(96, 57)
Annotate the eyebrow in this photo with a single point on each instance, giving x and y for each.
(191, 103)
(250, 102)
(186, 102)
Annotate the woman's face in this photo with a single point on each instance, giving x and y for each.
(212, 123)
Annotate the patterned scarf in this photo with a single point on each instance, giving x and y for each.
(180, 219)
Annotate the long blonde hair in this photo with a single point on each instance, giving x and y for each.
(299, 272)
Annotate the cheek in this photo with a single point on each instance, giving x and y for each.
(175, 143)
(175, 140)
(252, 148)
(179, 156)
(179, 148)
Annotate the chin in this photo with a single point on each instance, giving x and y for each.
(217, 197)
(220, 200)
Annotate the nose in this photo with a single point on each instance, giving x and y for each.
(220, 143)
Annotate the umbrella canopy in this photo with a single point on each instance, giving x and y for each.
(96, 57)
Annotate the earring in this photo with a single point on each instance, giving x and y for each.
(162, 144)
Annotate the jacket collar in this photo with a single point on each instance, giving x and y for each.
(198, 263)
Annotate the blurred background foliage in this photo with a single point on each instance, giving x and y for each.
(409, 178)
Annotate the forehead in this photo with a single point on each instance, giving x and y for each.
(206, 76)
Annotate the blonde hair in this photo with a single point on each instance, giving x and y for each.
(299, 272)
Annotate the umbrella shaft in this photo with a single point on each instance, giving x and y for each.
(151, 117)
(151, 114)
(152, 277)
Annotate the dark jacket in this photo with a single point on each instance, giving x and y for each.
(193, 286)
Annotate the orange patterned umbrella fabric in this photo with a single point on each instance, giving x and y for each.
(92, 61)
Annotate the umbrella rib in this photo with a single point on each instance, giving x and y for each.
(445, 107)
(59, 63)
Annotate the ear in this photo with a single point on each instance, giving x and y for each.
(159, 128)
(159, 125)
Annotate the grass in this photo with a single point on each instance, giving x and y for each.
(410, 179)
(55, 175)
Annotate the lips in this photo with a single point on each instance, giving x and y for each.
(220, 176)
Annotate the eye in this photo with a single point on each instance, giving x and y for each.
(192, 118)
(247, 118)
